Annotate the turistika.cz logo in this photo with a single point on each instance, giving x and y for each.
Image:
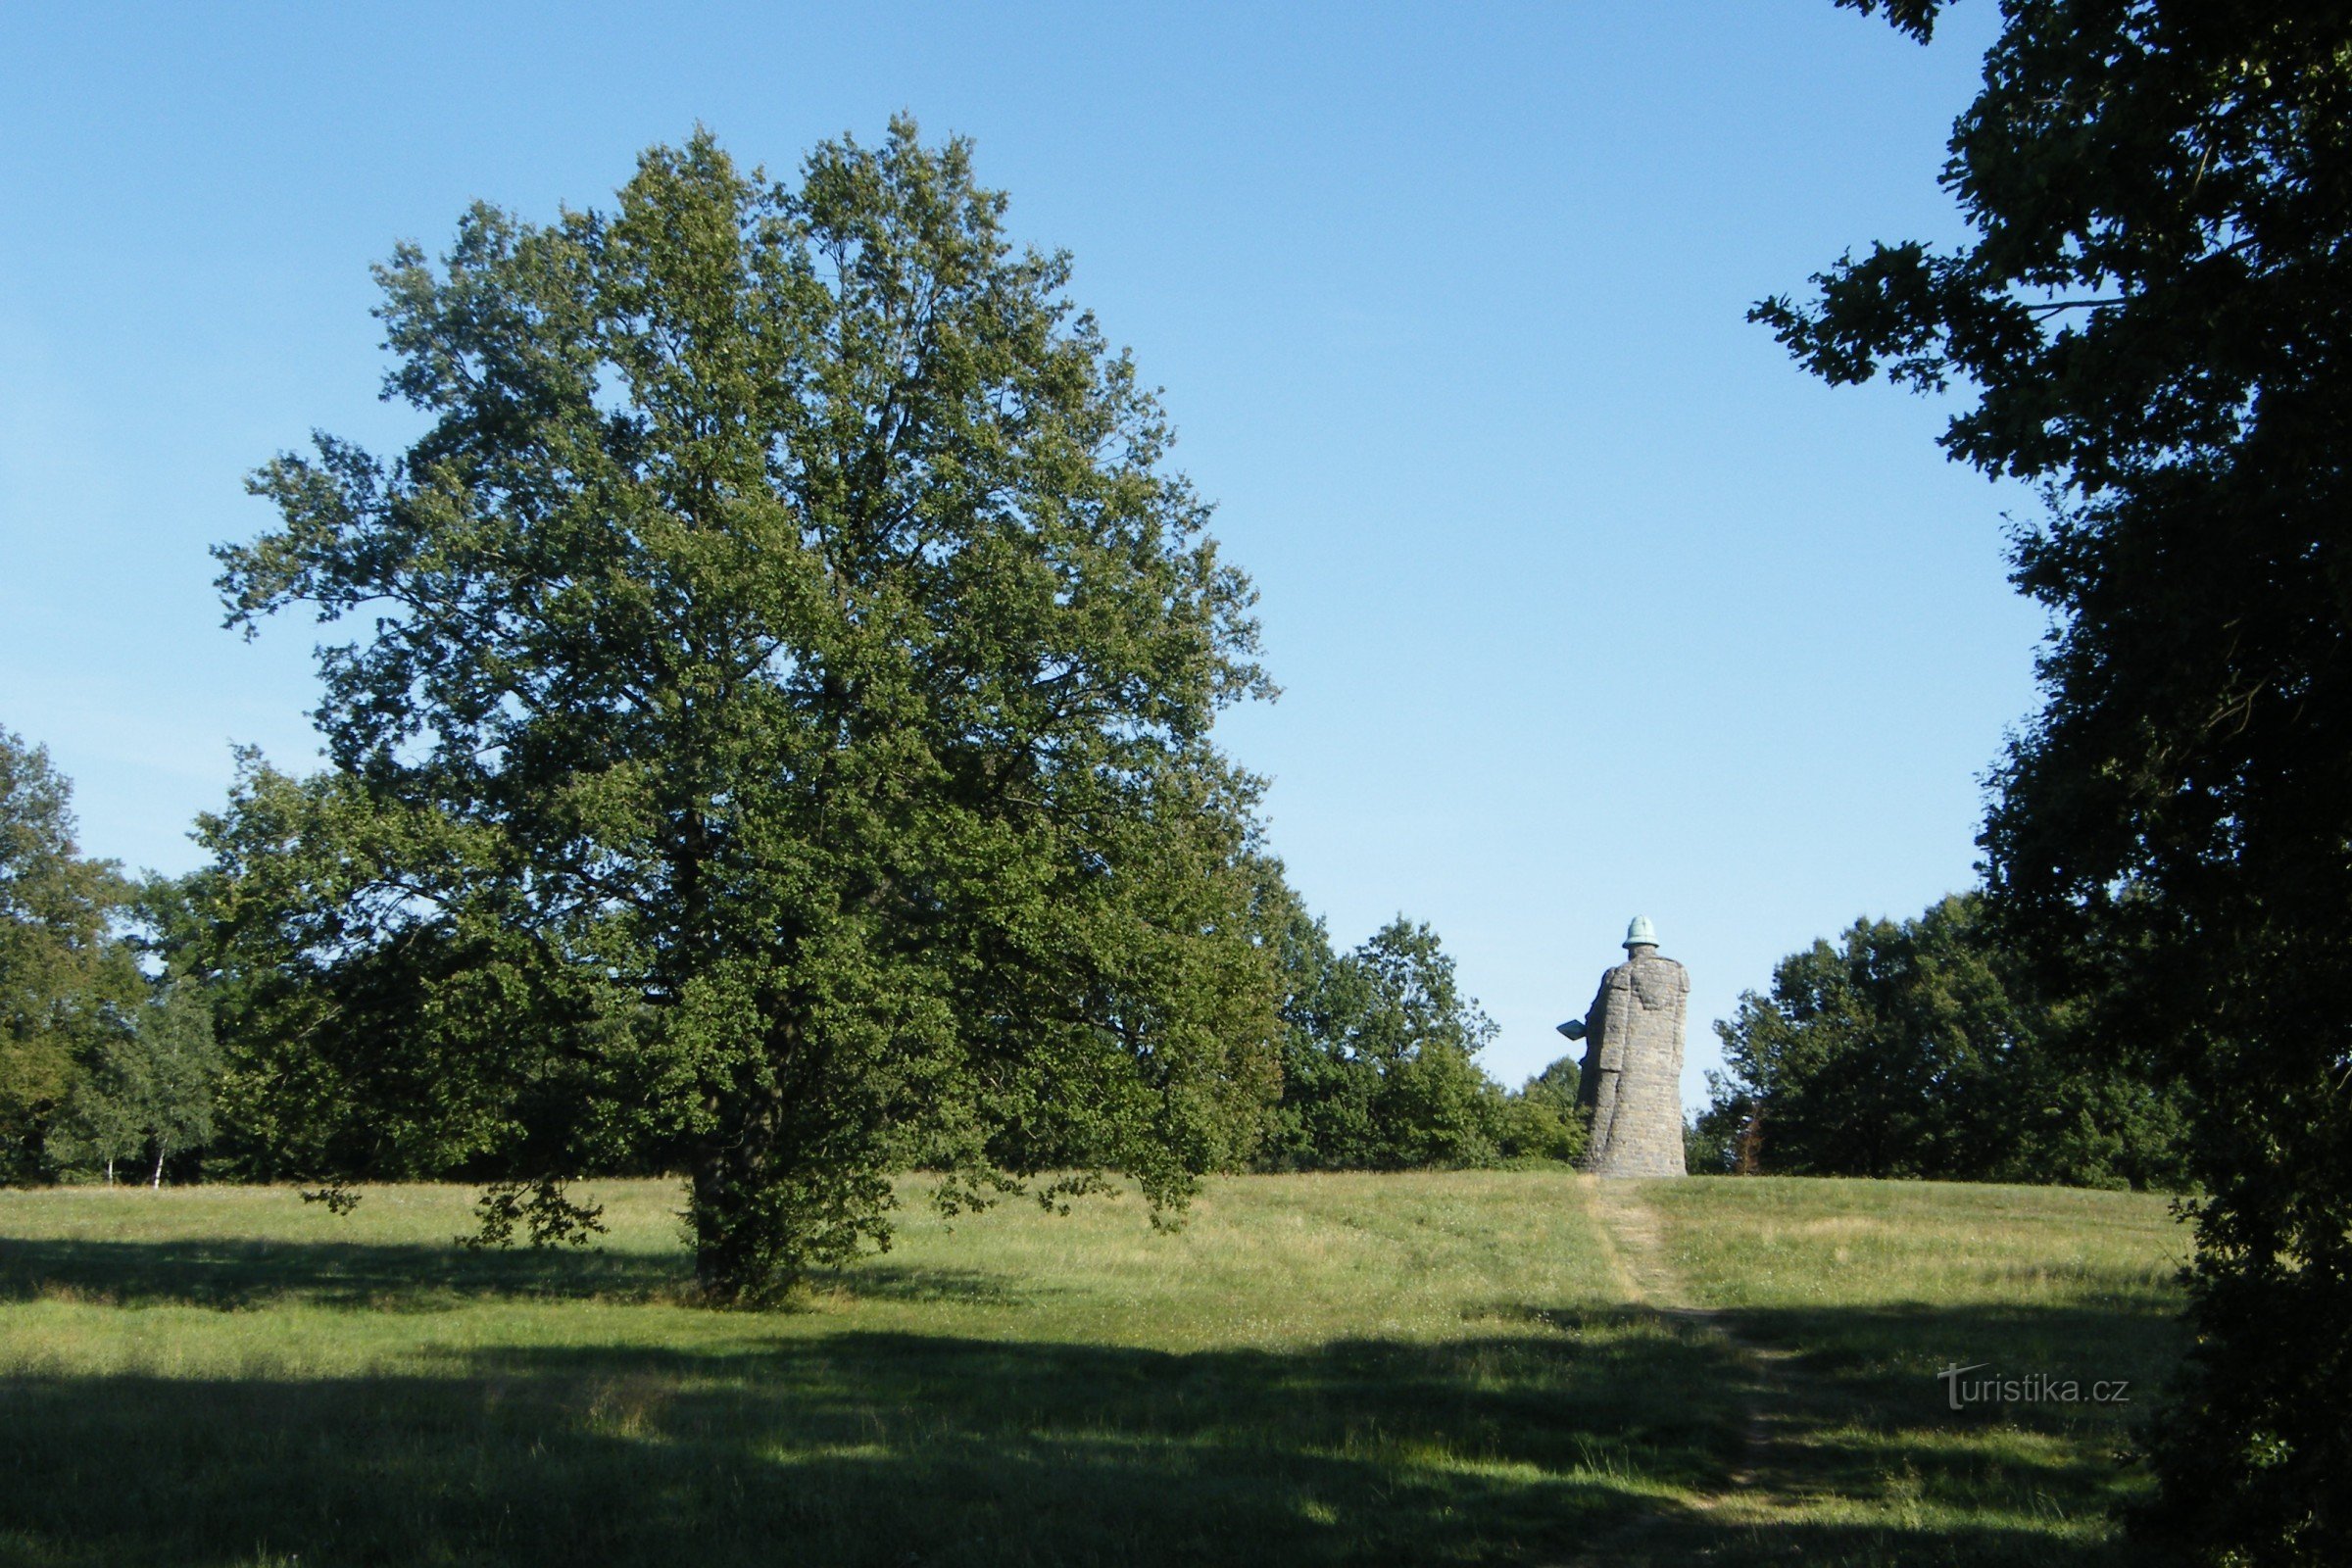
(1961, 1390)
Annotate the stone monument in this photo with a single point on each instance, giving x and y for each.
(1633, 1068)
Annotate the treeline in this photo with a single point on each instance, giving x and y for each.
(225, 1025)
(1378, 1068)
(1935, 1048)
(101, 1068)
(230, 1025)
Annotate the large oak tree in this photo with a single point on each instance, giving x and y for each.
(780, 713)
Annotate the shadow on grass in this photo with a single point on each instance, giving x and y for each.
(236, 1275)
(875, 1280)
(240, 1275)
(1862, 1425)
(1559, 1435)
(1881, 1354)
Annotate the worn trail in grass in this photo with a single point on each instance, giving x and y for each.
(1443, 1368)
(1844, 1301)
(1770, 1472)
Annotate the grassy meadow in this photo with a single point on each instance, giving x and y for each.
(1508, 1367)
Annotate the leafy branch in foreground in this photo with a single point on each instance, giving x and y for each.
(2150, 319)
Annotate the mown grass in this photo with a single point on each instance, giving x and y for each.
(1315, 1369)
(1871, 1289)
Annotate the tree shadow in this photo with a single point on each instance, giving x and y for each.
(1863, 1424)
(849, 1448)
(1881, 1363)
(927, 1285)
(1562, 1434)
(239, 1274)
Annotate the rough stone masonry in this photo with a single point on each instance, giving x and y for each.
(1633, 1068)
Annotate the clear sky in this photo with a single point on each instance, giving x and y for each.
(1586, 601)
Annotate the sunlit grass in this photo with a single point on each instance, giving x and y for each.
(1318, 1369)
(1873, 1287)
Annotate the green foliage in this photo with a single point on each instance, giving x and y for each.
(1542, 1120)
(2149, 320)
(363, 1042)
(68, 989)
(1922, 1048)
(777, 739)
(1378, 1062)
(1711, 1141)
(1558, 1083)
(147, 1090)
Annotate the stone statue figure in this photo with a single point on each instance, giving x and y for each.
(1633, 1068)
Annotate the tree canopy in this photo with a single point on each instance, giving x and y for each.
(1379, 1060)
(146, 1090)
(1376, 1063)
(780, 707)
(66, 986)
(2149, 320)
(1924, 1048)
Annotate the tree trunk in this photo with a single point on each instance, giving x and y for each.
(720, 1264)
(158, 1184)
(109, 1170)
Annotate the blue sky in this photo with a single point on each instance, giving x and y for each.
(1585, 600)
